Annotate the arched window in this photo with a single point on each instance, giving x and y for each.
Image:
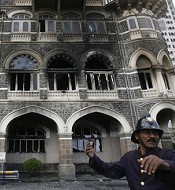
(23, 73)
(61, 73)
(82, 133)
(144, 73)
(96, 23)
(26, 139)
(21, 23)
(71, 23)
(99, 74)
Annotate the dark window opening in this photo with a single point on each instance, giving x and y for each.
(26, 140)
(145, 81)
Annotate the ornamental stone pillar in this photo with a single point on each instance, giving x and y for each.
(66, 168)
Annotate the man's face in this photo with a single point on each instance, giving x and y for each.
(148, 139)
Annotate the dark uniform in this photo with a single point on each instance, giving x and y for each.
(129, 166)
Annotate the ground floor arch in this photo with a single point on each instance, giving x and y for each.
(164, 113)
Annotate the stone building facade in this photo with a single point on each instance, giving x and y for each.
(76, 70)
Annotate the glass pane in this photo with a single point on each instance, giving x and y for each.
(150, 25)
(132, 23)
(91, 27)
(50, 26)
(101, 28)
(25, 27)
(76, 27)
(16, 27)
(66, 27)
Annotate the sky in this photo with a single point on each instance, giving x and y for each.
(174, 2)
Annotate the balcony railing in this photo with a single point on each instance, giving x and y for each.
(149, 93)
(94, 3)
(136, 34)
(63, 95)
(21, 37)
(47, 37)
(72, 37)
(23, 2)
(96, 95)
(23, 95)
(96, 37)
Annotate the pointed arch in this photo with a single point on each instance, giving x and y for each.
(160, 106)
(32, 109)
(164, 59)
(92, 109)
(34, 54)
(139, 52)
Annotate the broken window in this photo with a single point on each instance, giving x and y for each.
(26, 140)
(81, 136)
(99, 74)
(46, 23)
(23, 73)
(96, 24)
(61, 73)
(145, 80)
